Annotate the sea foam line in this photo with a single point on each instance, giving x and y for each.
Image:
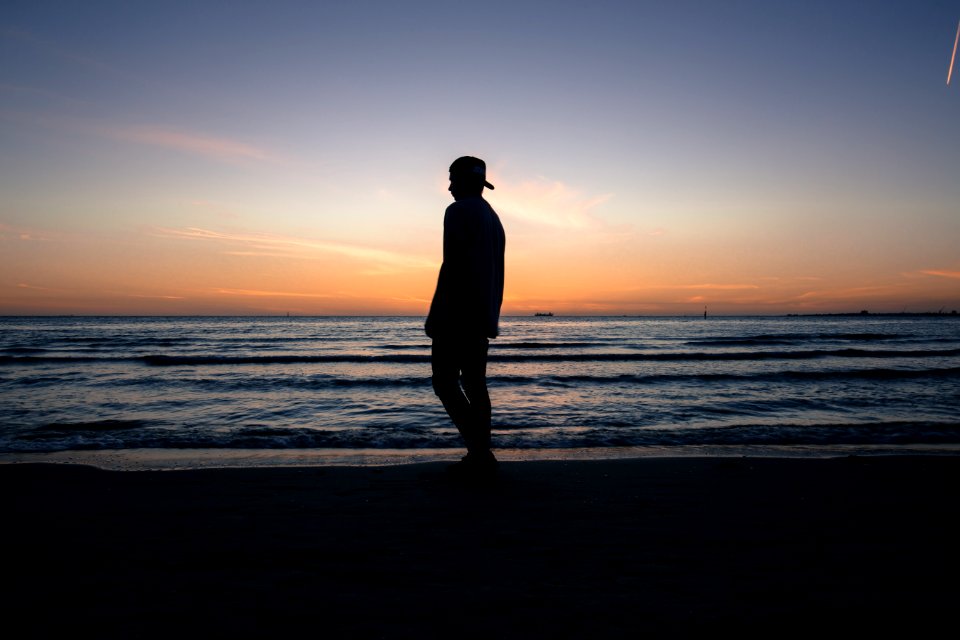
(169, 360)
(162, 360)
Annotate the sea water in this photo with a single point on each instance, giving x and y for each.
(342, 385)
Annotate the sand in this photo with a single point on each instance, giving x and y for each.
(579, 549)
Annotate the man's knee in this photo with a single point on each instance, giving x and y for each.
(444, 385)
(474, 386)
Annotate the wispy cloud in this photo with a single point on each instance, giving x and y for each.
(549, 203)
(941, 273)
(194, 143)
(24, 285)
(72, 57)
(268, 245)
(708, 286)
(38, 94)
(149, 297)
(717, 287)
(224, 149)
(22, 233)
(851, 295)
(271, 294)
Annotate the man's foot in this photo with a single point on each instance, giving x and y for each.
(475, 464)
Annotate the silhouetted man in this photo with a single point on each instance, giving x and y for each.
(465, 311)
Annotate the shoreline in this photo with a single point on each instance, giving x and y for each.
(548, 549)
(195, 459)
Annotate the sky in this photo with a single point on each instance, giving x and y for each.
(649, 157)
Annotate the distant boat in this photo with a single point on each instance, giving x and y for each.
(544, 314)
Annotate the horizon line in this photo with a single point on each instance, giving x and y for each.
(941, 312)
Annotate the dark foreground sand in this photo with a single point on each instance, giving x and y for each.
(675, 547)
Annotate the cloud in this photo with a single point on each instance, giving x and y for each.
(272, 294)
(549, 203)
(17, 91)
(201, 144)
(858, 295)
(22, 233)
(791, 279)
(267, 245)
(30, 287)
(941, 273)
(717, 287)
(148, 297)
(688, 287)
(190, 142)
(24, 285)
(56, 49)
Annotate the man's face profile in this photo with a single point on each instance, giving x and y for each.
(460, 188)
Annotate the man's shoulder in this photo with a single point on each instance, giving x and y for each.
(470, 205)
(470, 215)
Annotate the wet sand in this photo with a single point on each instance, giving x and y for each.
(577, 549)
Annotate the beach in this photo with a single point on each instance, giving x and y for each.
(547, 549)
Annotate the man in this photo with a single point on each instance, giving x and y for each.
(465, 311)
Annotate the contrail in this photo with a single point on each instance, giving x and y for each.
(953, 56)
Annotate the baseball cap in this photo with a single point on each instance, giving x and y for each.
(471, 168)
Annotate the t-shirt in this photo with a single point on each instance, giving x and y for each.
(470, 285)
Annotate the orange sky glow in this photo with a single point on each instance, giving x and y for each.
(570, 265)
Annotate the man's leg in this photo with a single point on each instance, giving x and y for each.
(445, 362)
(474, 380)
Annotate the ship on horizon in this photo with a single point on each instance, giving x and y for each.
(544, 314)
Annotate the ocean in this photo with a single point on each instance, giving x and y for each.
(170, 392)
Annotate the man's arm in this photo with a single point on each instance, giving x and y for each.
(440, 308)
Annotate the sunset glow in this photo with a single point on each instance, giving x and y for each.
(292, 158)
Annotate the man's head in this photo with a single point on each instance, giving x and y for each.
(468, 177)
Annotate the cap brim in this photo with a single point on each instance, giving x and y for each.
(487, 185)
